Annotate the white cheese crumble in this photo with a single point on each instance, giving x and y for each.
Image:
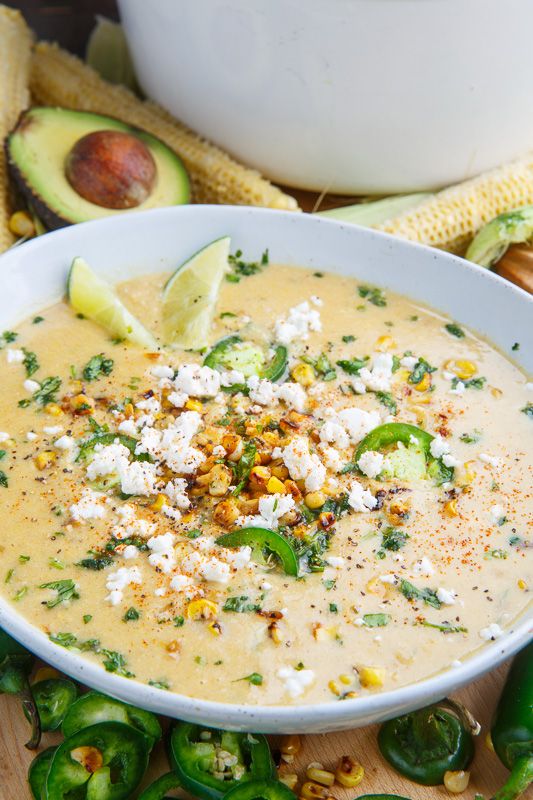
(52, 430)
(271, 508)
(446, 596)
(296, 681)
(128, 427)
(65, 442)
(293, 395)
(300, 320)
(89, 506)
(31, 386)
(4, 436)
(176, 491)
(458, 389)
(423, 567)
(163, 556)
(117, 581)
(197, 381)
(377, 379)
(14, 356)
(497, 513)
(160, 371)
(358, 422)
(231, 377)
(491, 632)
(130, 552)
(371, 463)
(439, 446)
(337, 562)
(409, 362)
(303, 465)
(261, 391)
(31, 436)
(360, 499)
(493, 461)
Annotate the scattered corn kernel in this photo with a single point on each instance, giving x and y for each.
(450, 508)
(313, 791)
(45, 459)
(173, 646)
(275, 633)
(280, 471)
(53, 409)
(290, 745)
(81, 404)
(214, 628)
(259, 478)
(332, 686)
(275, 486)
(456, 782)
(322, 776)
(349, 772)
(462, 368)
(226, 512)
(45, 674)
(384, 343)
(160, 501)
(290, 779)
(424, 384)
(89, 757)
(346, 679)
(21, 224)
(219, 480)
(521, 584)
(371, 677)
(193, 405)
(488, 742)
(202, 609)
(495, 392)
(303, 374)
(315, 500)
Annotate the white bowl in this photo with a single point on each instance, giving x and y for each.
(355, 96)
(33, 276)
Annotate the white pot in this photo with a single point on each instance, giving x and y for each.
(34, 275)
(355, 96)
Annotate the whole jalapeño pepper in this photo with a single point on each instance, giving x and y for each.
(512, 726)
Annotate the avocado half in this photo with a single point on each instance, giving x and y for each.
(38, 150)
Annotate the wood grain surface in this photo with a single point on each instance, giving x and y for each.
(486, 772)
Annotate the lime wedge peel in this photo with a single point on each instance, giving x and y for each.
(190, 296)
(91, 296)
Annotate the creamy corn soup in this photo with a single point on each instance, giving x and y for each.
(362, 557)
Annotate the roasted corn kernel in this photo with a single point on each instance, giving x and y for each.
(371, 677)
(202, 609)
(349, 772)
(315, 772)
(303, 374)
(45, 459)
(456, 782)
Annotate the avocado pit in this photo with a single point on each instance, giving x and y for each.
(112, 169)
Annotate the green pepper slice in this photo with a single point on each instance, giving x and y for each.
(16, 663)
(53, 698)
(93, 708)
(424, 744)
(401, 432)
(512, 726)
(38, 770)
(157, 789)
(193, 755)
(233, 353)
(260, 790)
(106, 761)
(263, 539)
(381, 797)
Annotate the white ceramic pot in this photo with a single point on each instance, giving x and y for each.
(34, 275)
(355, 96)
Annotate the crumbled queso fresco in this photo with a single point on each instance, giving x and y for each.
(381, 480)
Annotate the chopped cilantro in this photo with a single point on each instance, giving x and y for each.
(66, 590)
(241, 268)
(473, 383)
(516, 346)
(387, 399)
(498, 553)
(445, 627)
(7, 337)
(4, 481)
(3, 454)
(376, 620)
(159, 684)
(329, 583)
(411, 592)
(97, 366)
(254, 678)
(240, 604)
(471, 438)
(47, 391)
(87, 618)
(56, 563)
(20, 594)
(348, 338)
(322, 366)
(528, 410)
(36, 320)
(24, 559)
(393, 540)
(9, 575)
(318, 274)
(454, 330)
(131, 614)
(226, 314)
(352, 366)
(243, 467)
(420, 369)
(30, 362)
(373, 295)
(333, 607)
(179, 621)
(96, 564)
(115, 662)
(195, 533)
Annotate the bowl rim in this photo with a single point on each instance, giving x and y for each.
(305, 717)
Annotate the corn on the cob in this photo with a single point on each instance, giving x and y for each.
(449, 219)
(58, 78)
(15, 53)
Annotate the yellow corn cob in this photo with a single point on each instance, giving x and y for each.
(449, 219)
(15, 53)
(60, 79)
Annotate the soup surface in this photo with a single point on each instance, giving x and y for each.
(121, 468)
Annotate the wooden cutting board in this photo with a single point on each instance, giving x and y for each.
(487, 772)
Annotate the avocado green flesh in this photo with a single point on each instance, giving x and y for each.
(37, 150)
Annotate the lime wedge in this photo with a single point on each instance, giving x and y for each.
(91, 296)
(190, 296)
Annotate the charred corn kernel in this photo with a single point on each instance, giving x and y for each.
(334, 689)
(371, 677)
(326, 519)
(173, 646)
(319, 775)
(450, 218)
(279, 471)
(75, 387)
(488, 742)
(384, 343)
(293, 489)
(303, 374)
(290, 745)
(521, 584)
(45, 459)
(346, 679)
(315, 500)
(313, 791)
(45, 674)
(53, 409)
(275, 486)
(456, 782)
(400, 507)
(21, 224)
(194, 405)
(259, 478)
(214, 628)
(89, 757)
(424, 384)
(374, 586)
(468, 472)
(219, 480)
(15, 47)
(290, 779)
(450, 508)
(349, 773)
(226, 513)
(129, 410)
(60, 79)
(495, 392)
(81, 404)
(233, 445)
(465, 369)
(160, 501)
(202, 609)
(275, 633)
